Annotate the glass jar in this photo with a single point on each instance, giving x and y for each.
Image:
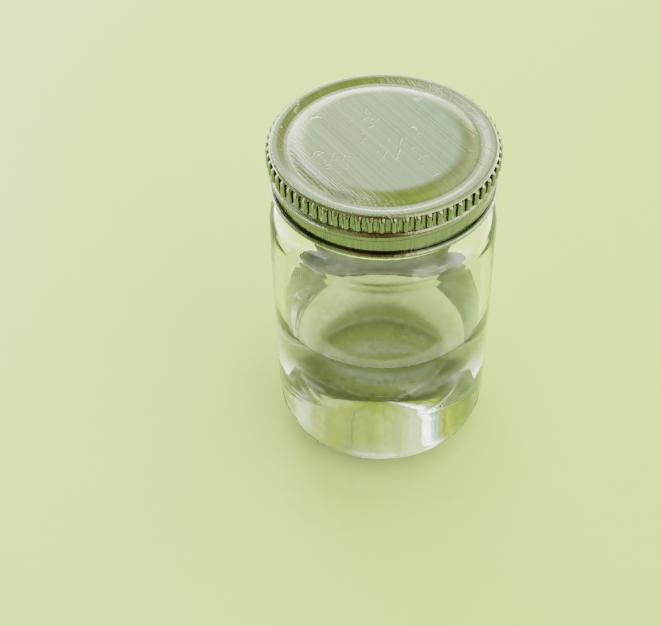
(382, 229)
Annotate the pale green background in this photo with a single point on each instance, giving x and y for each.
(149, 471)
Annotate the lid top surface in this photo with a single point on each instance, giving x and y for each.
(384, 145)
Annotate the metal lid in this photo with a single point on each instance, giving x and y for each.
(383, 163)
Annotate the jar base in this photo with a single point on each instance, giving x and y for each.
(380, 429)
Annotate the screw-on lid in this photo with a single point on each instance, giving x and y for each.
(383, 163)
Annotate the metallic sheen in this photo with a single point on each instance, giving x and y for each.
(383, 163)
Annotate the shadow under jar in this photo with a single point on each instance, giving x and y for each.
(382, 228)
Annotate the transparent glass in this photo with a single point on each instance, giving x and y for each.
(381, 354)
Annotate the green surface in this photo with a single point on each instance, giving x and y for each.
(149, 471)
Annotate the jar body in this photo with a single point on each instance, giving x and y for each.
(381, 354)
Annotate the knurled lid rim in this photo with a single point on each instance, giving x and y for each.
(328, 216)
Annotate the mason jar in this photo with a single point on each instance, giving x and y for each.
(382, 230)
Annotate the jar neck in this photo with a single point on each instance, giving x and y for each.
(324, 259)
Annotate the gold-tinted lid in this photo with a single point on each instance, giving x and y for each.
(383, 163)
